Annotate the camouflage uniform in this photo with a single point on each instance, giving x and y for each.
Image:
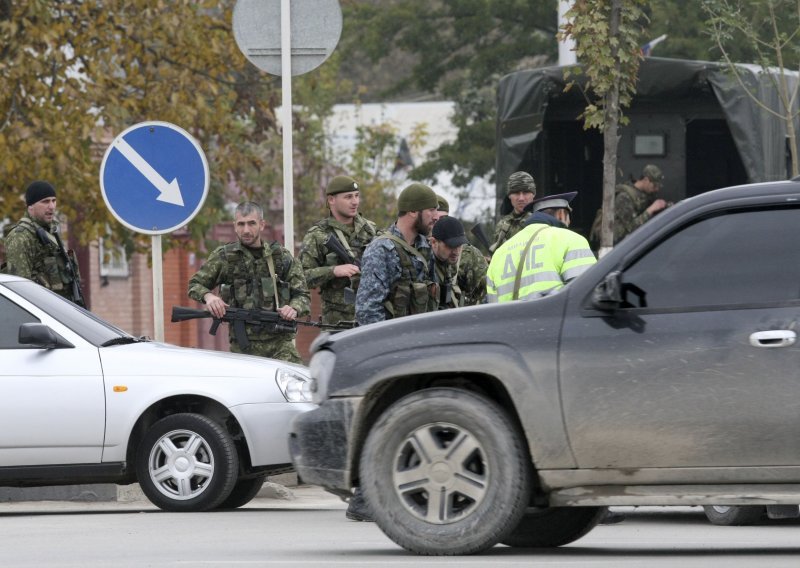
(32, 251)
(630, 206)
(507, 227)
(471, 279)
(394, 282)
(449, 293)
(245, 282)
(318, 262)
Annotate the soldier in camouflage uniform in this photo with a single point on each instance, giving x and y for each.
(395, 271)
(447, 242)
(253, 274)
(396, 279)
(471, 266)
(521, 191)
(634, 205)
(337, 275)
(34, 248)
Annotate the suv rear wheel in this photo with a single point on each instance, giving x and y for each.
(557, 526)
(732, 515)
(445, 471)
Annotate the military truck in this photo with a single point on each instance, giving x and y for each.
(691, 118)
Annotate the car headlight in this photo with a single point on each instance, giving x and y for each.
(321, 367)
(295, 386)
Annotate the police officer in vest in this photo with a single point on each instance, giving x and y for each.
(34, 248)
(253, 274)
(332, 250)
(542, 257)
(395, 271)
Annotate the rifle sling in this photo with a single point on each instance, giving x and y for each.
(271, 266)
(343, 240)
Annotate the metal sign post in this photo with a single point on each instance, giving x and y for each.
(134, 181)
(287, 37)
(286, 101)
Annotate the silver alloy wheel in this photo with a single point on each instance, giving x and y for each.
(181, 464)
(441, 473)
(721, 509)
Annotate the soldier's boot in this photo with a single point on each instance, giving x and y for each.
(358, 510)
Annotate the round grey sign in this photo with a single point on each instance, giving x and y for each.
(316, 26)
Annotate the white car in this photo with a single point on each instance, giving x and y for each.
(84, 402)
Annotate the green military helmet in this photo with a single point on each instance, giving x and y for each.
(442, 204)
(417, 197)
(341, 184)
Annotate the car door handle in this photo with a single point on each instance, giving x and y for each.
(773, 338)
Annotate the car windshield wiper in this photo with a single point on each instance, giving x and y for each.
(123, 340)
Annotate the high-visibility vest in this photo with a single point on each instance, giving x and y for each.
(552, 257)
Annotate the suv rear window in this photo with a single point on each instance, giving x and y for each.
(743, 257)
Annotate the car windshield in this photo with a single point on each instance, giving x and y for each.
(81, 321)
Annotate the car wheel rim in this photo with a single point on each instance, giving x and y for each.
(181, 464)
(441, 473)
(721, 509)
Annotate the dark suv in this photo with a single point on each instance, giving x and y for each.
(665, 375)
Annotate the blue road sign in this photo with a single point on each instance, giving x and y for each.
(154, 177)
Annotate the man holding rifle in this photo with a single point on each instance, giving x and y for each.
(34, 248)
(252, 274)
(332, 249)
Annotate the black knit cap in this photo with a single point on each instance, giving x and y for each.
(37, 191)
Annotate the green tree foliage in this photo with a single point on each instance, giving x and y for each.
(76, 73)
(771, 31)
(608, 36)
(453, 49)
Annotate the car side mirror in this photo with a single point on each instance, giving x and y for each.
(39, 335)
(607, 294)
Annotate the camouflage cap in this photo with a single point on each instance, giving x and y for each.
(520, 182)
(442, 204)
(653, 173)
(341, 184)
(417, 197)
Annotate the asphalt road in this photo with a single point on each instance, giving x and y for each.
(311, 530)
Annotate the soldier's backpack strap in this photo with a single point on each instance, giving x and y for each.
(408, 248)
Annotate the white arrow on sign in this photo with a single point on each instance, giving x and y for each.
(169, 192)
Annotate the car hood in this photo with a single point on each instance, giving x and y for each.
(161, 359)
(464, 326)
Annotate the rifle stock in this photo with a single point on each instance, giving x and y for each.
(335, 245)
(480, 234)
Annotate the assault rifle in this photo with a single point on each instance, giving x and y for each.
(71, 267)
(335, 246)
(264, 320)
(480, 234)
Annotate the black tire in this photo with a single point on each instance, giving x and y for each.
(557, 526)
(187, 462)
(734, 515)
(464, 447)
(243, 492)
